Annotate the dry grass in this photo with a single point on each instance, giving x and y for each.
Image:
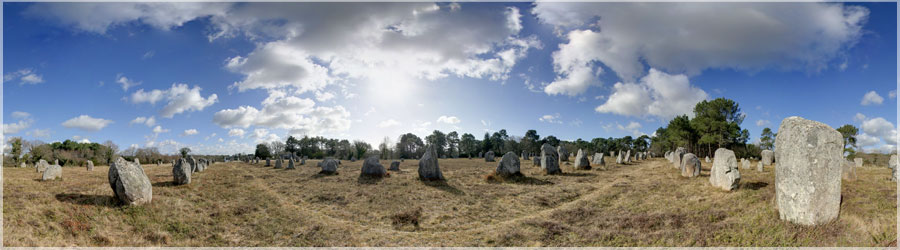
(237, 204)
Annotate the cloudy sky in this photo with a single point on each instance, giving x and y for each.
(220, 77)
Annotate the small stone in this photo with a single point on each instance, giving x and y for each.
(598, 159)
(90, 165)
(768, 157)
(549, 159)
(690, 165)
(581, 161)
(395, 166)
(508, 165)
(329, 166)
(372, 168)
(848, 171)
(858, 161)
(562, 153)
(51, 173)
(181, 171)
(489, 156)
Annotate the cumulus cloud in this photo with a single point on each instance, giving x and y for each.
(691, 37)
(236, 132)
(554, 118)
(388, 123)
(448, 119)
(25, 76)
(871, 98)
(125, 82)
(657, 94)
(149, 121)
(877, 135)
(39, 133)
(179, 99)
(761, 123)
(633, 127)
(100, 17)
(298, 115)
(159, 130)
(87, 123)
(263, 136)
(24, 122)
(189, 132)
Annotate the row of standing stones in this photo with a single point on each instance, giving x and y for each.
(808, 173)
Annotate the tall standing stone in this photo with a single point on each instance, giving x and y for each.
(848, 171)
(858, 161)
(22, 165)
(290, 164)
(278, 163)
(690, 165)
(767, 157)
(536, 161)
(90, 165)
(676, 157)
(508, 165)
(581, 161)
(628, 156)
(41, 166)
(598, 159)
(372, 168)
(181, 172)
(619, 159)
(51, 173)
(892, 164)
(428, 165)
(524, 156)
(129, 182)
(489, 156)
(808, 174)
(268, 162)
(724, 173)
(759, 166)
(562, 153)
(550, 159)
(745, 164)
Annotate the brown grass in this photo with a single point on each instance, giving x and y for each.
(236, 204)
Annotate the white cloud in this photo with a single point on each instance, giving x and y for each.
(236, 132)
(871, 98)
(87, 123)
(148, 55)
(25, 76)
(263, 136)
(324, 96)
(20, 114)
(388, 123)
(892, 94)
(299, 115)
(859, 117)
(24, 122)
(179, 99)
(99, 17)
(761, 123)
(213, 135)
(448, 119)
(633, 127)
(879, 127)
(554, 118)
(189, 132)
(159, 130)
(40, 133)
(658, 94)
(421, 128)
(691, 37)
(149, 121)
(125, 82)
(221, 140)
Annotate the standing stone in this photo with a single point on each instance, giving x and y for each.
(90, 165)
(41, 166)
(892, 164)
(598, 159)
(329, 166)
(808, 176)
(193, 163)
(51, 173)
(353, 159)
(489, 156)
(549, 159)
(480, 154)
(290, 164)
(302, 161)
(278, 163)
(268, 162)
(612, 154)
(848, 171)
(508, 165)
(395, 166)
(23, 165)
(619, 159)
(707, 159)
(581, 161)
(129, 182)
(724, 173)
(767, 157)
(562, 153)
(628, 156)
(181, 172)
(524, 156)
(676, 157)
(428, 166)
(372, 168)
(745, 164)
(858, 161)
(690, 165)
(536, 161)
(759, 166)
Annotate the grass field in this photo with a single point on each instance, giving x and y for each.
(238, 204)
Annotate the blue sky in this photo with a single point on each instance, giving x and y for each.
(220, 77)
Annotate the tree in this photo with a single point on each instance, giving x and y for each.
(530, 141)
(361, 148)
(292, 145)
(410, 146)
(439, 140)
(385, 149)
(262, 151)
(767, 139)
(468, 145)
(550, 140)
(184, 152)
(717, 123)
(849, 133)
(15, 148)
(486, 143)
(642, 143)
(453, 144)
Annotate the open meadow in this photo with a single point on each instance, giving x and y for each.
(646, 203)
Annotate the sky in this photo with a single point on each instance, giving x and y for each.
(221, 77)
